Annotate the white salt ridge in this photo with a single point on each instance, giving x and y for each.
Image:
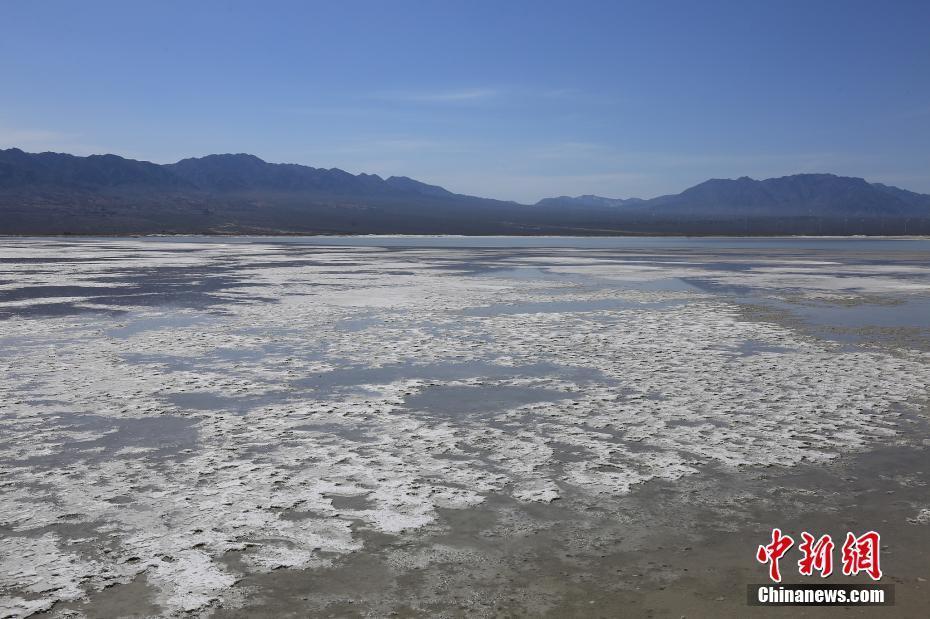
(39, 567)
(189, 581)
(539, 490)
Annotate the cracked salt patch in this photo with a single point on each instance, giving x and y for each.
(366, 398)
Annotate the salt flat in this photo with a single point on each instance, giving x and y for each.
(181, 417)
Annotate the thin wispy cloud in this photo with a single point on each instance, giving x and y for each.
(575, 96)
(327, 110)
(441, 96)
(401, 145)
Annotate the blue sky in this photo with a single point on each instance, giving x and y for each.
(516, 100)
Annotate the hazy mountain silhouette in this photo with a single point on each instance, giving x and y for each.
(588, 200)
(53, 193)
(801, 194)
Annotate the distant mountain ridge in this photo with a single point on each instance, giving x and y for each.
(212, 173)
(55, 193)
(799, 193)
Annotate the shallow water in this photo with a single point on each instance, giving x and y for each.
(912, 312)
(879, 244)
(454, 401)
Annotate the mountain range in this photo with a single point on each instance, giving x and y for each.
(55, 193)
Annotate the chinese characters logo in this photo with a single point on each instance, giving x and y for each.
(858, 554)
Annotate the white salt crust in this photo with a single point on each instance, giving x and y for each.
(108, 472)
